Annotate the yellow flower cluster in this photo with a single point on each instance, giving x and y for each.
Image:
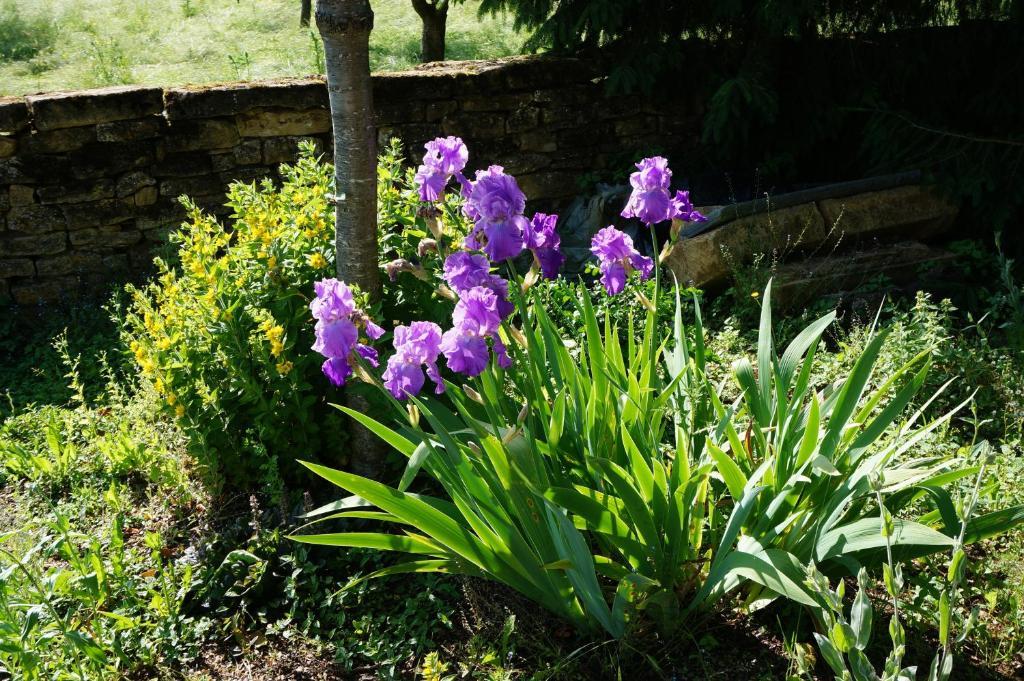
(275, 335)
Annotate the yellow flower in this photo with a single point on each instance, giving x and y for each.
(276, 347)
(755, 294)
(271, 262)
(284, 368)
(164, 343)
(318, 261)
(179, 411)
(171, 399)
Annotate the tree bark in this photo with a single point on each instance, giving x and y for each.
(434, 16)
(307, 9)
(345, 27)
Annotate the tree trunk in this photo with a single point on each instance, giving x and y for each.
(307, 9)
(435, 19)
(345, 28)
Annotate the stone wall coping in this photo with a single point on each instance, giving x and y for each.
(435, 81)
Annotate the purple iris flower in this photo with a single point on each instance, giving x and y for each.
(333, 300)
(445, 157)
(542, 238)
(476, 318)
(617, 258)
(682, 208)
(464, 271)
(337, 330)
(415, 345)
(650, 200)
(496, 204)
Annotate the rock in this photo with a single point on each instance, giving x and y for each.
(70, 263)
(235, 98)
(277, 122)
(77, 193)
(22, 195)
(214, 133)
(45, 291)
(801, 282)
(21, 267)
(8, 146)
(129, 183)
(555, 184)
(37, 244)
(105, 239)
(35, 219)
(190, 186)
(912, 211)
(102, 212)
(13, 114)
(88, 107)
(146, 196)
(58, 141)
(123, 131)
(705, 259)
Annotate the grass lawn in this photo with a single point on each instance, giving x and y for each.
(67, 44)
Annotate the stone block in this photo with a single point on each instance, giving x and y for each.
(88, 107)
(102, 212)
(184, 164)
(522, 164)
(549, 185)
(70, 263)
(106, 239)
(212, 133)
(13, 114)
(5, 205)
(44, 291)
(124, 131)
(911, 211)
(704, 259)
(22, 195)
(246, 175)
(116, 262)
(286, 149)
(35, 219)
(248, 152)
(146, 196)
(531, 73)
(36, 244)
(19, 267)
(190, 186)
(435, 111)
(481, 125)
(129, 183)
(523, 118)
(57, 141)
(109, 159)
(278, 122)
(399, 112)
(8, 145)
(495, 102)
(404, 86)
(235, 98)
(14, 170)
(77, 193)
(538, 140)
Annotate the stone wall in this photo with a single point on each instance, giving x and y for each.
(89, 180)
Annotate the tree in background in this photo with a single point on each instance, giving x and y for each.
(642, 35)
(434, 15)
(307, 9)
(345, 27)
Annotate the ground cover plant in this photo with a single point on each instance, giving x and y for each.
(784, 455)
(69, 44)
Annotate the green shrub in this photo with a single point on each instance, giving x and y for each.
(22, 37)
(598, 486)
(224, 336)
